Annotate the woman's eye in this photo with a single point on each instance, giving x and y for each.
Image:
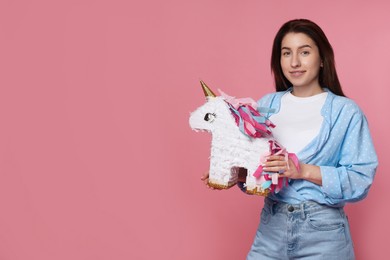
(305, 53)
(286, 53)
(209, 117)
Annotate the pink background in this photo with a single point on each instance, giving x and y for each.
(97, 160)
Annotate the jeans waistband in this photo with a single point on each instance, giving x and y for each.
(303, 208)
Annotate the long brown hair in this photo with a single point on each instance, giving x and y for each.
(328, 75)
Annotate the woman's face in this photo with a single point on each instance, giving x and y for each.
(300, 61)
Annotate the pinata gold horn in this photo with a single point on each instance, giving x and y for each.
(207, 91)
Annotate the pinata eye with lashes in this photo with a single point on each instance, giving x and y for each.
(209, 117)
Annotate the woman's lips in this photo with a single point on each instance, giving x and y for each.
(297, 73)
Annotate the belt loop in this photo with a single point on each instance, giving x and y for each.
(342, 213)
(269, 204)
(303, 213)
(272, 207)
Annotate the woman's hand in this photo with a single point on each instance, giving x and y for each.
(278, 164)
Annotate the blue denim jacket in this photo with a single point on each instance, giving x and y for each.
(343, 149)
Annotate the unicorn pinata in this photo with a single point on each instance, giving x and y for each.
(241, 138)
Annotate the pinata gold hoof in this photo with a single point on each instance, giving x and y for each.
(259, 192)
(220, 186)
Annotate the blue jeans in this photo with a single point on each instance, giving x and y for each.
(302, 231)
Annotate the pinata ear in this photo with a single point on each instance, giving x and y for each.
(207, 91)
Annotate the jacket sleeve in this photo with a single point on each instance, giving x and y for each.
(351, 178)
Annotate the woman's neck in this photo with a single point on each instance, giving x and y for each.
(306, 92)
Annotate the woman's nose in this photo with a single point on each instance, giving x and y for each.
(295, 62)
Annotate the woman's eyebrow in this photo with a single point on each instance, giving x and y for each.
(300, 47)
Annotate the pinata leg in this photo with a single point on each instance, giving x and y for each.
(224, 179)
(254, 185)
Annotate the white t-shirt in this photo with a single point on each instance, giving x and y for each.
(298, 121)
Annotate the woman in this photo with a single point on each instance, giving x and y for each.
(329, 134)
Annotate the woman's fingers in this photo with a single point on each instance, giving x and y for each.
(276, 163)
(205, 176)
(278, 169)
(205, 179)
(276, 158)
